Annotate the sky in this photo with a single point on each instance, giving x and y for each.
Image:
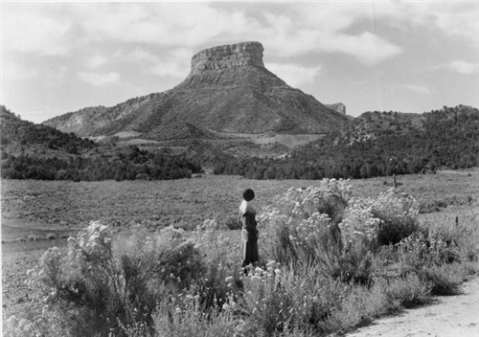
(59, 57)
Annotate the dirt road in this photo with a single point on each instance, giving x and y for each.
(447, 316)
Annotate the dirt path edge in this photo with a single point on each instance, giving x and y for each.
(448, 316)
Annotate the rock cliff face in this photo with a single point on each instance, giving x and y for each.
(81, 122)
(229, 90)
(339, 107)
(229, 56)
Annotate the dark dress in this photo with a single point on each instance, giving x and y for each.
(249, 236)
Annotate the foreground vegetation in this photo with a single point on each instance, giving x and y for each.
(330, 261)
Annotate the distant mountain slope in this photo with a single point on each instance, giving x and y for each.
(81, 122)
(228, 89)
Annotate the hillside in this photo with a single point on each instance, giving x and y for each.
(19, 137)
(377, 144)
(82, 122)
(228, 90)
(34, 151)
(376, 123)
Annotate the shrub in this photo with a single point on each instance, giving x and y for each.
(51, 236)
(184, 316)
(408, 290)
(33, 237)
(317, 227)
(278, 299)
(425, 249)
(233, 223)
(110, 290)
(221, 259)
(303, 223)
(398, 213)
(386, 220)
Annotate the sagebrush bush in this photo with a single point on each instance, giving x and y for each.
(278, 299)
(113, 290)
(322, 227)
(398, 213)
(233, 223)
(383, 221)
(302, 225)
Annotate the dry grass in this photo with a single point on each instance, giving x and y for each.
(35, 207)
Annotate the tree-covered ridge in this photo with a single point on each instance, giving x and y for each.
(393, 123)
(127, 164)
(374, 123)
(16, 131)
(33, 151)
(377, 144)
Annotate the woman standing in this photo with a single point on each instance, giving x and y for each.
(249, 233)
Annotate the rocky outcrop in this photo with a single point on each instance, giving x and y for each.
(80, 122)
(229, 56)
(339, 107)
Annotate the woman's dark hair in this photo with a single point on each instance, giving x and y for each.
(248, 194)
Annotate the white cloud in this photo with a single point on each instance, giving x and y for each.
(51, 73)
(291, 29)
(54, 74)
(165, 24)
(321, 27)
(294, 75)
(140, 55)
(96, 61)
(366, 47)
(459, 20)
(173, 63)
(13, 71)
(98, 79)
(170, 69)
(325, 27)
(463, 67)
(28, 27)
(419, 89)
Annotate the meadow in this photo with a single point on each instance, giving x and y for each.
(170, 282)
(186, 203)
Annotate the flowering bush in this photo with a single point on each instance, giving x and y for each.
(386, 220)
(302, 225)
(278, 300)
(359, 226)
(322, 227)
(398, 213)
(112, 289)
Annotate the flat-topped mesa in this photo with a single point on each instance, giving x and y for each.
(229, 56)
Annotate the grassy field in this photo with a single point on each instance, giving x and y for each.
(38, 214)
(38, 207)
